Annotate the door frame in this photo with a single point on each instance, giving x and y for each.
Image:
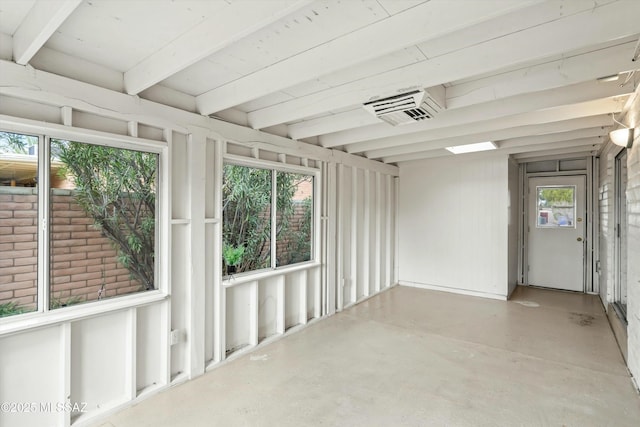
(619, 217)
(590, 279)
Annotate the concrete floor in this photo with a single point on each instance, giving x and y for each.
(412, 357)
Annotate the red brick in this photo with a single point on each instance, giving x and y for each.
(6, 247)
(97, 241)
(26, 214)
(26, 276)
(107, 267)
(85, 276)
(23, 246)
(26, 261)
(6, 214)
(66, 228)
(85, 248)
(23, 300)
(60, 251)
(59, 265)
(60, 206)
(29, 229)
(6, 231)
(59, 287)
(14, 222)
(56, 280)
(55, 221)
(84, 262)
(86, 234)
(69, 257)
(5, 279)
(107, 280)
(101, 254)
(66, 213)
(18, 254)
(26, 292)
(23, 285)
(7, 271)
(22, 198)
(6, 198)
(86, 291)
(17, 238)
(81, 219)
(60, 236)
(68, 243)
(6, 295)
(6, 262)
(14, 206)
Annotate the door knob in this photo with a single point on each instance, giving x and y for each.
(579, 239)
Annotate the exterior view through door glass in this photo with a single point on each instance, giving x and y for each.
(556, 232)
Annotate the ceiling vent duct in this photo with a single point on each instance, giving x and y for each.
(406, 108)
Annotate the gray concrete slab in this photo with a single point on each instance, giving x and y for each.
(411, 357)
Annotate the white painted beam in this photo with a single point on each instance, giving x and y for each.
(510, 107)
(47, 88)
(566, 71)
(41, 22)
(226, 27)
(426, 21)
(332, 123)
(534, 133)
(571, 69)
(553, 38)
(584, 142)
(489, 130)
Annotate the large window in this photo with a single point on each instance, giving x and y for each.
(267, 218)
(101, 223)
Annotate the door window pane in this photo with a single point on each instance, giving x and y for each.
(102, 222)
(18, 223)
(246, 218)
(556, 206)
(294, 218)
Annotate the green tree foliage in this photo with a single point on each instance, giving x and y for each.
(16, 144)
(247, 217)
(117, 188)
(556, 196)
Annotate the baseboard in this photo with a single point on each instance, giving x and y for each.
(453, 290)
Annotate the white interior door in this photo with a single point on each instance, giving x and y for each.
(556, 232)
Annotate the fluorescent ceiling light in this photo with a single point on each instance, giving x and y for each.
(471, 148)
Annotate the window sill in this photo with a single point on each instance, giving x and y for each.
(231, 281)
(23, 322)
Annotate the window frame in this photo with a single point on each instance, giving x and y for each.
(573, 207)
(236, 160)
(44, 315)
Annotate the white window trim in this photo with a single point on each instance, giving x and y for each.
(240, 278)
(42, 318)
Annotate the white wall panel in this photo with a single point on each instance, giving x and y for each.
(26, 376)
(99, 361)
(268, 307)
(453, 223)
(149, 347)
(239, 314)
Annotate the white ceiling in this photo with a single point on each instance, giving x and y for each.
(521, 73)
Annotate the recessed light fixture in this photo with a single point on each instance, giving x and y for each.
(472, 148)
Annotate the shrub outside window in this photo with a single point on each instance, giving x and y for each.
(249, 227)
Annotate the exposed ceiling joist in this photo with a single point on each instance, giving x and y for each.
(41, 22)
(567, 146)
(425, 21)
(553, 38)
(550, 75)
(493, 130)
(518, 136)
(488, 111)
(232, 23)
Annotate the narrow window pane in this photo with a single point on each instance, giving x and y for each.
(246, 219)
(294, 218)
(556, 207)
(102, 222)
(18, 224)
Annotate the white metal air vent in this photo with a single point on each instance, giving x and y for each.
(406, 108)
